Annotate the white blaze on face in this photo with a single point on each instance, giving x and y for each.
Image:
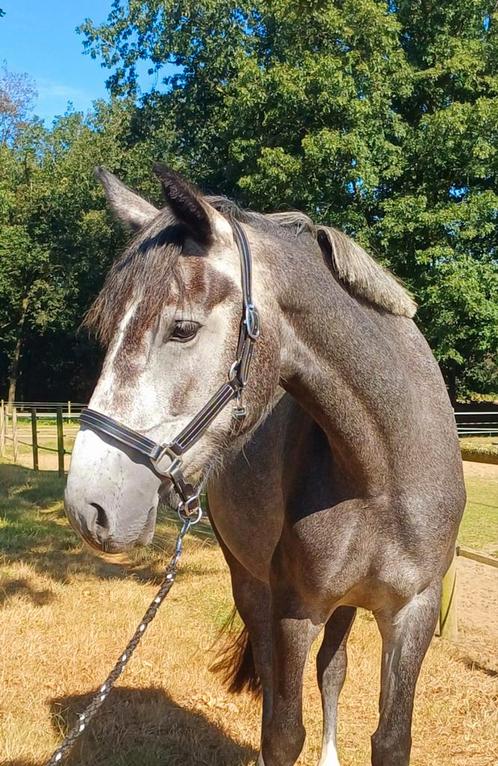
(104, 475)
(106, 386)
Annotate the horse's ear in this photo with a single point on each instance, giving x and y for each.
(128, 207)
(186, 202)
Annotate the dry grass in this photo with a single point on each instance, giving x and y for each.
(67, 615)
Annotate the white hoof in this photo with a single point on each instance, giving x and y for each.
(329, 756)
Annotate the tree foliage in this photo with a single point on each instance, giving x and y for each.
(381, 118)
(378, 117)
(56, 243)
(17, 92)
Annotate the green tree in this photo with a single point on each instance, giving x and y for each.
(380, 117)
(17, 93)
(56, 240)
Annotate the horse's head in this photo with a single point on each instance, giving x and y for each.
(169, 313)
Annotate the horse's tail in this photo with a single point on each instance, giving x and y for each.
(236, 661)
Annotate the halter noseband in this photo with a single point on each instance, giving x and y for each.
(166, 459)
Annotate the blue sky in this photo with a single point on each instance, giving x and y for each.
(39, 37)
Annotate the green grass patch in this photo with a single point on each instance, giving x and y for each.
(31, 509)
(481, 449)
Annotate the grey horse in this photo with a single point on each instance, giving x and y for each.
(346, 494)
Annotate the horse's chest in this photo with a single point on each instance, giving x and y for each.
(250, 530)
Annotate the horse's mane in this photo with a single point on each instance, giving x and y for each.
(362, 276)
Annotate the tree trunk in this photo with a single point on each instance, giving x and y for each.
(452, 385)
(16, 356)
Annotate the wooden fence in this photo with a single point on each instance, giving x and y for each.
(22, 420)
(477, 422)
(448, 620)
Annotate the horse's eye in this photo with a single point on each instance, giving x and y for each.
(184, 330)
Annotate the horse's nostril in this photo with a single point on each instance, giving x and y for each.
(102, 521)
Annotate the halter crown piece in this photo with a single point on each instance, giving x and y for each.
(166, 459)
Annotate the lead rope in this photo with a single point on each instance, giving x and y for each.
(100, 697)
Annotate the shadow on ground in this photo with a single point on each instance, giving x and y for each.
(476, 665)
(19, 585)
(34, 530)
(144, 728)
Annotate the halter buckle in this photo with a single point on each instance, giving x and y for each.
(251, 321)
(239, 411)
(175, 462)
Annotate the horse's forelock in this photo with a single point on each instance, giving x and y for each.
(145, 272)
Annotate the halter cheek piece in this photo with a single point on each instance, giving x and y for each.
(166, 459)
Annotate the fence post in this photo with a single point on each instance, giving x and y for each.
(60, 441)
(2, 429)
(69, 408)
(34, 437)
(6, 412)
(14, 434)
(448, 624)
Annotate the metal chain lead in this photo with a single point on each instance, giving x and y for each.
(100, 697)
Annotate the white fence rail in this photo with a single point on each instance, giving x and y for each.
(477, 422)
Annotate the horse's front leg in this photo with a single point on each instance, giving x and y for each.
(331, 664)
(406, 635)
(292, 634)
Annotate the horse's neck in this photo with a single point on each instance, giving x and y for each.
(338, 361)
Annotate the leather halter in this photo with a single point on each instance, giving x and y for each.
(166, 459)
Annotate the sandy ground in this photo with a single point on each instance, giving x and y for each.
(478, 583)
(480, 470)
(477, 594)
(477, 605)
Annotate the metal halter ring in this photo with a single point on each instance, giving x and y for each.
(192, 516)
(233, 373)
